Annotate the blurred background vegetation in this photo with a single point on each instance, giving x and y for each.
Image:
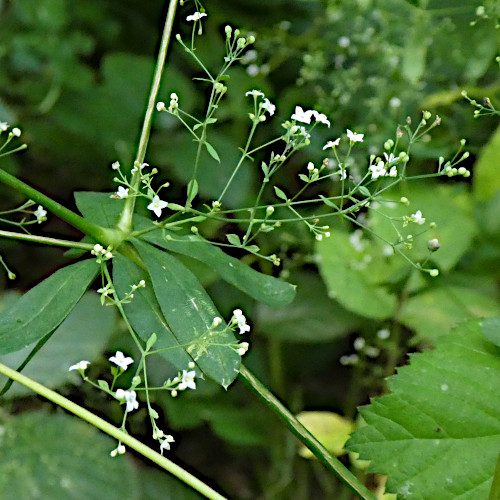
(75, 76)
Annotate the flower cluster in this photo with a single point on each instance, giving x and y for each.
(102, 254)
(261, 106)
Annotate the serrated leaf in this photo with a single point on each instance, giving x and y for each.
(43, 308)
(437, 435)
(280, 193)
(348, 278)
(83, 335)
(491, 330)
(57, 456)
(144, 312)
(190, 312)
(212, 152)
(267, 289)
(234, 239)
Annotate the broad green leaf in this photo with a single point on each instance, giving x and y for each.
(234, 239)
(437, 434)
(82, 335)
(57, 456)
(42, 309)
(98, 207)
(486, 179)
(435, 312)
(189, 312)
(491, 330)
(447, 205)
(311, 317)
(267, 289)
(347, 278)
(144, 312)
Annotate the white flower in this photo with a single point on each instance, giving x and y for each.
(187, 381)
(393, 172)
(16, 131)
(302, 116)
(115, 165)
(255, 93)
(395, 102)
(241, 320)
(120, 360)
(320, 117)
(119, 450)
(40, 213)
(157, 205)
(166, 443)
(243, 348)
(331, 144)
(122, 192)
(417, 217)
(81, 365)
(378, 170)
(130, 397)
(4, 126)
(268, 106)
(383, 334)
(160, 106)
(344, 42)
(354, 136)
(390, 158)
(196, 16)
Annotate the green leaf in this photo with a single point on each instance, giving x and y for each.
(280, 193)
(234, 239)
(415, 52)
(57, 456)
(144, 312)
(190, 312)
(491, 330)
(437, 435)
(99, 208)
(103, 385)
(435, 312)
(212, 152)
(192, 190)
(348, 279)
(312, 317)
(84, 334)
(45, 306)
(158, 485)
(486, 181)
(267, 289)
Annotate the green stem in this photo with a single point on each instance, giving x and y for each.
(495, 486)
(305, 436)
(45, 240)
(125, 223)
(101, 234)
(113, 431)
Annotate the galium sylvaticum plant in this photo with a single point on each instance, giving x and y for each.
(135, 258)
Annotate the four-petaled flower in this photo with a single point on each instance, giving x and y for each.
(120, 360)
(241, 320)
(378, 170)
(196, 16)
(4, 126)
(254, 93)
(187, 381)
(331, 144)
(165, 444)
(157, 205)
(320, 117)
(417, 217)
(122, 192)
(81, 365)
(302, 116)
(268, 106)
(354, 136)
(130, 398)
(40, 213)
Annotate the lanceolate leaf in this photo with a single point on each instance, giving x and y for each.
(144, 312)
(45, 306)
(190, 312)
(437, 435)
(103, 210)
(267, 289)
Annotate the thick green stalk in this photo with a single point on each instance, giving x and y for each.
(113, 431)
(305, 436)
(101, 234)
(125, 223)
(44, 240)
